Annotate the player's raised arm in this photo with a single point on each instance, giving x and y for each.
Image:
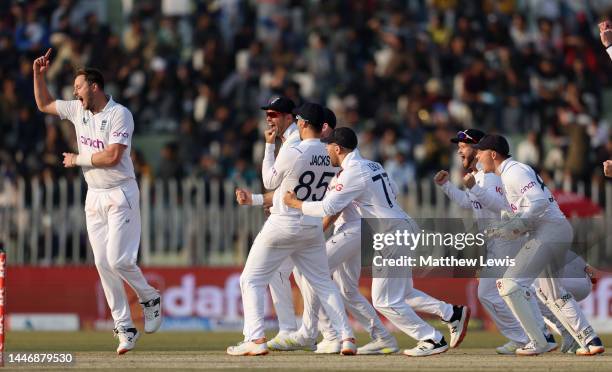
(453, 192)
(491, 194)
(44, 101)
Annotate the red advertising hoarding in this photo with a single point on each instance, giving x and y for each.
(208, 298)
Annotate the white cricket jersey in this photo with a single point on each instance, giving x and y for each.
(363, 183)
(304, 168)
(486, 198)
(291, 136)
(95, 132)
(527, 193)
(350, 214)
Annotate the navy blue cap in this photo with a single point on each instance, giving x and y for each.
(313, 113)
(494, 142)
(280, 104)
(342, 136)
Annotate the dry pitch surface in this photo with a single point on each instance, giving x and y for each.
(205, 351)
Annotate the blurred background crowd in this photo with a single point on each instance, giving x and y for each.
(405, 74)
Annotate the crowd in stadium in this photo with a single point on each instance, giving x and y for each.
(405, 74)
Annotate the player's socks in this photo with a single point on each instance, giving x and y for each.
(509, 348)
(593, 347)
(427, 347)
(248, 348)
(379, 346)
(458, 324)
(152, 314)
(127, 339)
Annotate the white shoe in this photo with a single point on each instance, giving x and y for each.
(552, 344)
(278, 341)
(379, 346)
(427, 347)
(152, 314)
(291, 342)
(248, 348)
(127, 339)
(457, 325)
(509, 348)
(329, 347)
(349, 347)
(594, 347)
(531, 349)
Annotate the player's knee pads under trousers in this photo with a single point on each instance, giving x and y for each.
(518, 297)
(567, 311)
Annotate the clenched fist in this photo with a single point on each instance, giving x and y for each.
(69, 160)
(441, 177)
(469, 181)
(244, 196)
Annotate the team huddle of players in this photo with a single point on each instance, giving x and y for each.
(319, 179)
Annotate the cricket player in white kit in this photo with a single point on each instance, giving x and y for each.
(306, 169)
(344, 259)
(535, 212)
(485, 197)
(104, 132)
(279, 117)
(365, 184)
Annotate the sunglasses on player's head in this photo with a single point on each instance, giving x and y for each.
(462, 135)
(273, 114)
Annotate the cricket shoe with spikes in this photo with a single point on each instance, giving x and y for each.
(349, 347)
(329, 347)
(458, 324)
(593, 347)
(248, 348)
(427, 348)
(531, 349)
(379, 346)
(509, 348)
(127, 339)
(152, 314)
(291, 342)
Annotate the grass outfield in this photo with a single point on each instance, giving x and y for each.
(205, 351)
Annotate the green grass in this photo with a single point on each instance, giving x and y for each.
(206, 351)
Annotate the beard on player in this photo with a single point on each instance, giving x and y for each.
(333, 150)
(467, 155)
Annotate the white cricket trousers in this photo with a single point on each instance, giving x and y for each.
(283, 237)
(113, 225)
(494, 304)
(549, 244)
(344, 259)
(282, 297)
(397, 300)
